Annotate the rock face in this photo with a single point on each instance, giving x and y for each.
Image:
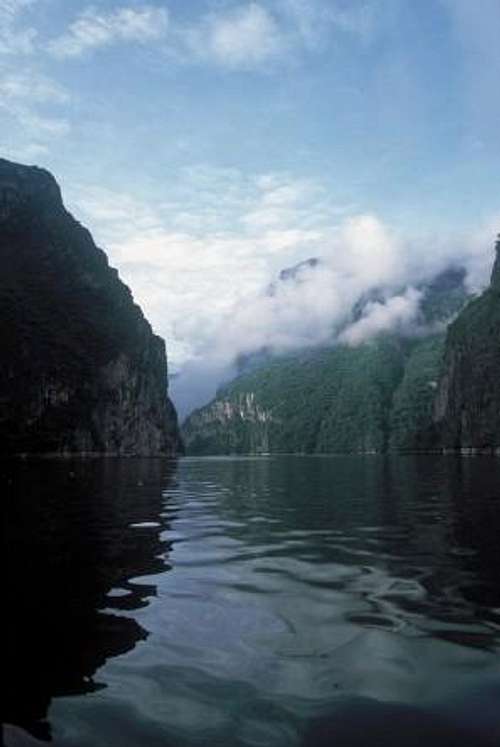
(495, 276)
(80, 370)
(232, 424)
(467, 407)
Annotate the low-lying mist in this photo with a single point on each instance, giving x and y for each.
(364, 282)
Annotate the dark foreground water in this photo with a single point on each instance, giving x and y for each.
(267, 602)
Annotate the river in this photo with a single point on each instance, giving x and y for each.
(280, 601)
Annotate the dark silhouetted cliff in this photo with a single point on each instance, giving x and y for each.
(467, 408)
(80, 369)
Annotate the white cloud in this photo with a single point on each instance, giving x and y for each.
(29, 100)
(20, 96)
(428, 254)
(200, 264)
(93, 30)
(192, 259)
(318, 22)
(358, 20)
(50, 127)
(27, 153)
(10, 8)
(31, 87)
(15, 41)
(281, 201)
(373, 253)
(244, 37)
(20, 42)
(396, 314)
(247, 35)
(356, 255)
(256, 35)
(476, 253)
(194, 273)
(241, 36)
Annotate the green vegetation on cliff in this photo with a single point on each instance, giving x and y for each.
(340, 399)
(413, 400)
(439, 390)
(372, 398)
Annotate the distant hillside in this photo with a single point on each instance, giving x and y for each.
(375, 397)
(80, 370)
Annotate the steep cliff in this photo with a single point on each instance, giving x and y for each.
(232, 424)
(495, 275)
(80, 370)
(467, 408)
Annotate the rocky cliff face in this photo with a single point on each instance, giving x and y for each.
(229, 425)
(495, 276)
(467, 407)
(80, 370)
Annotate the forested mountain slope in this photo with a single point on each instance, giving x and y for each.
(375, 397)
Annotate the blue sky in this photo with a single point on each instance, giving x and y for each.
(208, 144)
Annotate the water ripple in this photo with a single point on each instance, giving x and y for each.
(288, 599)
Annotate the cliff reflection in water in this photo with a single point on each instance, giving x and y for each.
(71, 550)
(312, 601)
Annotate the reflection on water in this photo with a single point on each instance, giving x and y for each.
(310, 601)
(70, 553)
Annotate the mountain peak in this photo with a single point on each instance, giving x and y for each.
(26, 187)
(81, 370)
(292, 273)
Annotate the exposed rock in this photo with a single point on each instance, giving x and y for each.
(81, 370)
(294, 275)
(495, 276)
(230, 425)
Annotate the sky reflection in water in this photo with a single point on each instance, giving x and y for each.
(309, 601)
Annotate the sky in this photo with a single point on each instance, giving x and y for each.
(209, 144)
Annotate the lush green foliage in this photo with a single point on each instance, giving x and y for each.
(412, 402)
(341, 399)
(377, 397)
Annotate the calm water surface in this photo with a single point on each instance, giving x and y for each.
(288, 601)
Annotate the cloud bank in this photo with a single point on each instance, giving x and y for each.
(396, 314)
(245, 36)
(201, 259)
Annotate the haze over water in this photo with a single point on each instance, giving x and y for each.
(254, 601)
